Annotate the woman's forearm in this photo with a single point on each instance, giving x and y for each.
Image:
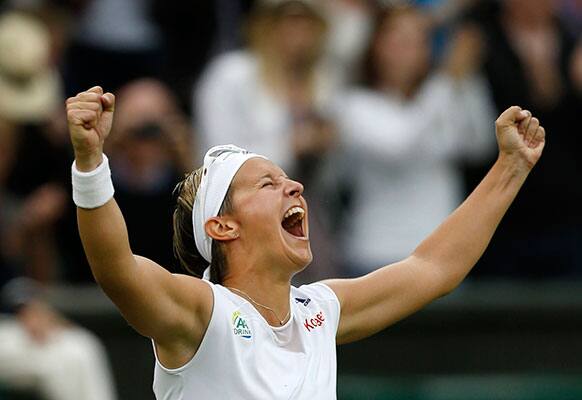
(105, 240)
(458, 243)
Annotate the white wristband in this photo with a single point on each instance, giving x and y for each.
(92, 189)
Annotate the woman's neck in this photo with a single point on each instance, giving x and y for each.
(268, 295)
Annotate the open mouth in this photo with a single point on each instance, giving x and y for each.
(293, 221)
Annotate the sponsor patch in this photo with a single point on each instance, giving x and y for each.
(314, 322)
(240, 327)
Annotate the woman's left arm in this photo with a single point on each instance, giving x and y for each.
(377, 300)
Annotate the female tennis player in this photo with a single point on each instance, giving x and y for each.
(244, 332)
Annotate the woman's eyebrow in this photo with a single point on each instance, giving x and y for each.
(257, 181)
(267, 175)
(270, 176)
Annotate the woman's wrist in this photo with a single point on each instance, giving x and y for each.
(86, 162)
(514, 166)
(92, 188)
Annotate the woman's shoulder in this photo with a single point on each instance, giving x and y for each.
(317, 291)
(320, 301)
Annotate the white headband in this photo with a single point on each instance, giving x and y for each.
(221, 164)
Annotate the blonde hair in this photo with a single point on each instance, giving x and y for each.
(184, 245)
(259, 32)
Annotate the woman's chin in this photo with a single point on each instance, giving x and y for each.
(297, 250)
(302, 258)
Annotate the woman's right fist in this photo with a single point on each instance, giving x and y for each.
(89, 116)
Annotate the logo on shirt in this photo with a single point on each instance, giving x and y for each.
(305, 302)
(240, 327)
(314, 322)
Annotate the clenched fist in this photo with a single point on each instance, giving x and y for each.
(89, 116)
(520, 137)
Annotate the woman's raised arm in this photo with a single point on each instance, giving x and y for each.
(441, 262)
(174, 310)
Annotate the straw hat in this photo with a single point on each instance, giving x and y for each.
(30, 89)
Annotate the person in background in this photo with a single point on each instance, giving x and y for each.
(274, 98)
(402, 134)
(349, 23)
(31, 94)
(151, 150)
(40, 352)
(533, 60)
(44, 354)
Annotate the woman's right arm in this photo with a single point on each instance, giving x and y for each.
(174, 310)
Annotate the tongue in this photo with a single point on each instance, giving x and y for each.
(295, 230)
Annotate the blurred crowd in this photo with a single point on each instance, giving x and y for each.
(383, 109)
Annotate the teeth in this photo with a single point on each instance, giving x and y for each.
(294, 210)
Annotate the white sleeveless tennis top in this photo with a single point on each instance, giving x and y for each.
(242, 357)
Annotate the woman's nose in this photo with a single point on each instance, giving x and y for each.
(294, 188)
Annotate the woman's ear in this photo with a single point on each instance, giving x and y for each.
(222, 229)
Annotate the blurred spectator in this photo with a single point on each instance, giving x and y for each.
(39, 350)
(349, 23)
(30, 88)
(42, 353)
(533, 61)
(150, 148)
(274, 99)
(31, 113)
(402, 135)
(271, 98)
